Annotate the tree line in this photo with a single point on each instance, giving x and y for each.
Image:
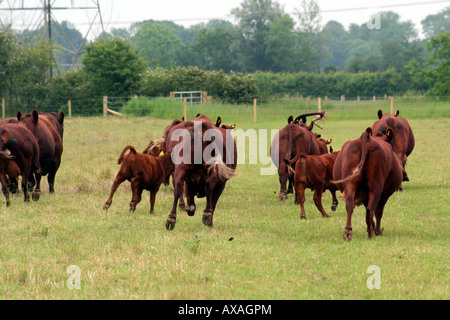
(266, 52)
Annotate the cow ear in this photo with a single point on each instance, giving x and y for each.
(19, 116)
(331, 149)
(329, 141)
(218, 122)
(198, 115)
(233, 126)
(397, 113)
(290, 119)
(380, 114)
(389, 134)
(369, 131)
(35, 115)
(304, 119)
(318, 136)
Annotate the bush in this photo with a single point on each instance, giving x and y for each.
(154, 107)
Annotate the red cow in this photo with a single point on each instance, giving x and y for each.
(403, 141)
(23, 146)
(199, 176)
(144, 172)
(367, 171)
(314, 172)
(50, 147)
(293, 139)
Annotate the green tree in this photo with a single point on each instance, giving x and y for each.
(436, 71)
(282, 45)
(158, 44)
(254, 18)
(112, 67)
(434, 23)
(217, 49)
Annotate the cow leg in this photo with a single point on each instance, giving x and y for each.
(119, 179)
(190, 193)
(335, 202)
(372, 204)
(136, 190)
(213, 192)
(283, 177)
(349, 194)
(181, 204)
(379, 215)
(35, 195)
(153, 193)
(25, 176)
(51, 177)
(178, 182)
(290, 188)
(300, 193)
(318, 201)
(5, 189)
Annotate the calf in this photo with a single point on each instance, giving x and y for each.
(144, 172)
(367, 171)
(314, 172)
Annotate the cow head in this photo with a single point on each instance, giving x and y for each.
(380, 114)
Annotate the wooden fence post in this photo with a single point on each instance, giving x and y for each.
(254, 110)
(3, 108)
(185, 111)
(392, 104)
(105, 106)
(319, 101)
(172, 95)
(70, 108)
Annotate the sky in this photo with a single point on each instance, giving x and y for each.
(121, 13)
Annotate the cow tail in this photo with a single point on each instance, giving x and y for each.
(122, 155)
(290, 142)
(289, 163)
(357, 171)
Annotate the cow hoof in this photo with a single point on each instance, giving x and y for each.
(190, 210)
(182, 207)
(8, 203)
(35, 196)
(170, 224)
(282, 197)
(302, 217)
(207, 219)
(334, 206)
(348, 234)
(106, 206)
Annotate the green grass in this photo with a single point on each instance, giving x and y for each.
(273, 254)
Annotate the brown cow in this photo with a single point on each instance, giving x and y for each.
(198, 175)
(367, 171)
(403, 141)
(24, 147)
(314, 172)
(144, 172)
(294, 138)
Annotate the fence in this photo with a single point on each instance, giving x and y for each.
(351, 107)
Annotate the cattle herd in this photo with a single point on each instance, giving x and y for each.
(201, 157)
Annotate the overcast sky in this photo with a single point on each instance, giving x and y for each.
(121, 13)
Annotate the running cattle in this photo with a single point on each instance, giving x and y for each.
(293, 139)
(403, 141)
(205, 159)
(144, 172)
(314, 172)
(21, 143)
(367, 171)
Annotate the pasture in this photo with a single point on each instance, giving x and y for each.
(258, 248)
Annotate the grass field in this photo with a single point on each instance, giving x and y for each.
(273, 254)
